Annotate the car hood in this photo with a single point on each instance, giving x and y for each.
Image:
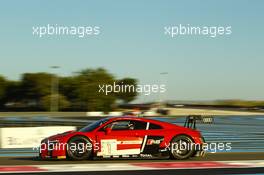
(60, 135)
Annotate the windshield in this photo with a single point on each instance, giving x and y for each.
(93, 125)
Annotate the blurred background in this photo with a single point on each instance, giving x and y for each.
(51, 84)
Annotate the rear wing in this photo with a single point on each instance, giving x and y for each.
(191, 120)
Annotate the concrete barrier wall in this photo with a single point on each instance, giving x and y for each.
(28, 137)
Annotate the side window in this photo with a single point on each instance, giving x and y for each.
(120, 125)
(139, 125)
(154, 126)
(127, 125)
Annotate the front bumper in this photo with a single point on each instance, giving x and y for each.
(46, 157)
(52, 152)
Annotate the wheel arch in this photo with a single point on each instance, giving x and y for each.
(182, 134)
(79, 135)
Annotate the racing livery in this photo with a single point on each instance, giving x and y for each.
(126, 136)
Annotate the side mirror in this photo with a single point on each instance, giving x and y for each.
(108, 130)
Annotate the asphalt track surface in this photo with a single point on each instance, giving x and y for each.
(8, 161)
(216, 171)
(207, 157)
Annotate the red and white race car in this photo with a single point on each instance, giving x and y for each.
(126, 136)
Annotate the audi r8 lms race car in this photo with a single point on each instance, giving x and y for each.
(125, 137)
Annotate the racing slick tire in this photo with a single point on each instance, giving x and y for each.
(182, 147)
(77, 148)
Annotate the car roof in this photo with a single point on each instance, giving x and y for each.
(164, 124)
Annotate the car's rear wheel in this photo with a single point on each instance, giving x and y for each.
(79, 148)
(182, 147)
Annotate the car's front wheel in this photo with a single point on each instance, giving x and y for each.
(182, 147)
(79, 148)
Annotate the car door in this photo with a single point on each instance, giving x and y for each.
(154, 136)
(123, 139)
